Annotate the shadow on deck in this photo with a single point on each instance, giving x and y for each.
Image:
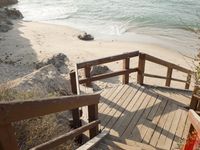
(158, 117)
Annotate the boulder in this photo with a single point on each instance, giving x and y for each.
(47, 79)
(4, 27)
(13, 13)
(5, 18)
(58, 60)
(96, 70)
(86, 37)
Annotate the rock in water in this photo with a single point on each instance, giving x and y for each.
(46, 79)
(58, 60)
(96, 70)
(86, 37)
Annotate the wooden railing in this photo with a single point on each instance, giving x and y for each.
(20, 110)
(126, 70)
(193, 139)
(170, 67)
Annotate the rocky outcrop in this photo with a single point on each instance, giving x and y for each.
(46, 79)
(96, 70)
(7, 2)
(59, 61)
(6, 15)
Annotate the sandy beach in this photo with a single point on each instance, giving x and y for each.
(33, 41)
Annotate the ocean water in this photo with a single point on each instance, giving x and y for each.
(157, 20)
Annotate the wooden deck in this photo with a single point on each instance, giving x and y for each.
(156, 117)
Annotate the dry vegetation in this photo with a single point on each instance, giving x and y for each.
(35, 131)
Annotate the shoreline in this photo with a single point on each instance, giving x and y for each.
(34, 41)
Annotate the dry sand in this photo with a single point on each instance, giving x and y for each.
(32, 41)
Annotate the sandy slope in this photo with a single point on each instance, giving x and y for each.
(32, 41)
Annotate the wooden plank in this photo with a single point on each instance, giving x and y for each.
(169, 76)
(65, 137)
(108, 75)
(126, 66)
(137, 116)
(119, 109)
(172, 131)
(7, 138)
(155, 108)
(91, 143)
(160, 125)
(162, 138)
(186, 129)
(167, 64)
(141, 68)
(106, 97)
(130, 142)
(93, 115)
(119, 145)
(180, 129)
(187, 85)
(122, 123)
(87, 75)
(110, 99)
(19, 110)
(108, 59)
(105, 118)
(161, 77)
(102, 146)
(152, 124)
(140, 130)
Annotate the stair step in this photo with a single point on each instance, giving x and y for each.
(120, 145)
(130, 143)
(102, 146)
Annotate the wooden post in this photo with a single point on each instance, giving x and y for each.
(169, 76)
(187, 85)
(93, 115)
(7, 138)
(194, 103)
(141, 68)
(87, 75)
(75, 112)
(126, 66)
(73, 82)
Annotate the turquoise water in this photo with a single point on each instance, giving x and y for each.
(161, 18)
(117, 15)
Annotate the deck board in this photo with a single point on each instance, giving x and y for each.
(134, 112)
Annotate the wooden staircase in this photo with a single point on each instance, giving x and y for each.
(104, 141)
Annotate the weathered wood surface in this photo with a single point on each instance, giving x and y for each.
(19, 110)
(137, 113)
(107, 59)
(65, 137)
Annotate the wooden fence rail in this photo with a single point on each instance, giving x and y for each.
(20, 110)
(126, 70)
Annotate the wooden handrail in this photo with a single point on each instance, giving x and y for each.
(126, 70)
(107, 59)
(20, 110)
(107, 75)
(15, 111)
(165, 63)
(65, 137)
